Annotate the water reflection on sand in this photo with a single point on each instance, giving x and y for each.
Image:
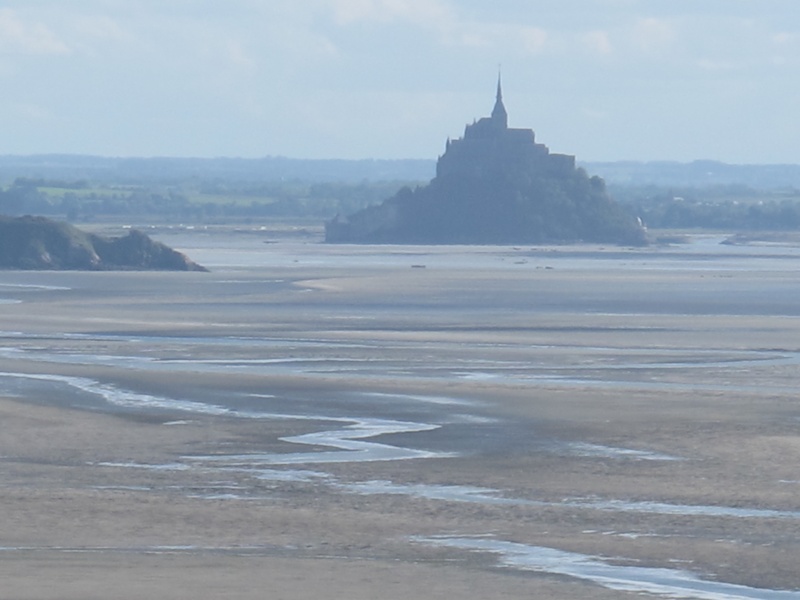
(633, 368)
(669, 583)
(349, 441)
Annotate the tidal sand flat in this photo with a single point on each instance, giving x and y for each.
(312, 421)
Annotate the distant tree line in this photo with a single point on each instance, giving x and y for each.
(207, 201)
(723, 207)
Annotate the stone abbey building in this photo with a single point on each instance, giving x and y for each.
(490, 146)
(495, 185)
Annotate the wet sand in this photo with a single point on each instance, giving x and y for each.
(338, 422)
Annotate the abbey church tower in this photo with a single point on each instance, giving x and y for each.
(499, 114)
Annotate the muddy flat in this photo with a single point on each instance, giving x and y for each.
(312, 421)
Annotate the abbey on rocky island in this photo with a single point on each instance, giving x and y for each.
(496, 185)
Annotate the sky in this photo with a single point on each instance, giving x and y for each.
(604, 80)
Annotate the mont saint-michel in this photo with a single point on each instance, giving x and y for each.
(495, 185)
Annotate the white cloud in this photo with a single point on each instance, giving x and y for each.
(101, 27)
(239, 56)
(32, 112)
(450, 25)
(502, 38)
(785, 48)
(710, 64)
(783, 38)
(19, 36)
(421, 12)
(598, 42)
(595, 114)
(297, 46)
(652, 35)
(534, 39)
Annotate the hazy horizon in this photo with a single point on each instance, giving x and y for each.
(605, 80)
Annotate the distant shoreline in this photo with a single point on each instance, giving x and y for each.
(280, 168)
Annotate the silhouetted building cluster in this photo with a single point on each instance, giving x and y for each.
(490, 147)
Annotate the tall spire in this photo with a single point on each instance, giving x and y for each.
(499, 114)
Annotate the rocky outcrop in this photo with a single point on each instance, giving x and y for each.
(40, 243)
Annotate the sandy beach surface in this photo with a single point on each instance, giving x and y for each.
(357, 422)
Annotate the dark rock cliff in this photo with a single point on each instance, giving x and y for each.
(40, 243)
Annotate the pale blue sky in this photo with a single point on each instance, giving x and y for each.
(602, 79)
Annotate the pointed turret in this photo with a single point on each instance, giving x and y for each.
(499, 114)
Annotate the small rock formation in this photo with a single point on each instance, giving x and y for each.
(40, 243)
(496, 185)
